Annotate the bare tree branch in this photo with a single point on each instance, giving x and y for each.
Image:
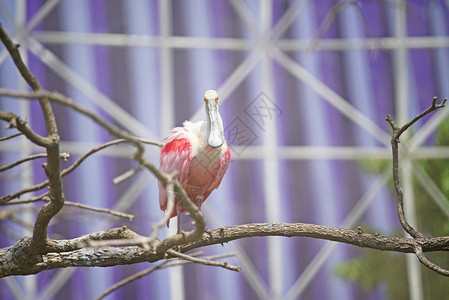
(194, 212)
(423, 259)
(165, 264)
(64, 172)
(27, 200)
(63, 156)
(397, 131)
(63, 100)
(10, 136)
(15, 122)
(44, 197)
(101, 210)
(39, 253)
(418, 236)
(73, 253)
(203, 261)
(52, 167)
(126, 175)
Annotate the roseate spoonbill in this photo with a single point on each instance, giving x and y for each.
(199, 154)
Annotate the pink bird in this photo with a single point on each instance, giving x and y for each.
(199, 154)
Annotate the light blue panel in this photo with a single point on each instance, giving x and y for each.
(360, 91)
(253, 7)
(144, 64)
(75, 17)
(203, 68)
(322, 173)
(438, 27)
(10, 78)
(8, 17)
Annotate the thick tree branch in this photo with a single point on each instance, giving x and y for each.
(73, 253)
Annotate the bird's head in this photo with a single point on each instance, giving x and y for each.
(211, 95)
(215, 124)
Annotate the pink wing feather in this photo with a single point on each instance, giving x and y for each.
(222, 168)
(175, 156)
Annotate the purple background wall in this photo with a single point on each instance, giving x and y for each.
(324, 75)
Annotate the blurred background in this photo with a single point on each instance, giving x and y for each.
(304, 87)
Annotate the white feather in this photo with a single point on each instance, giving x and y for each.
(197, 135)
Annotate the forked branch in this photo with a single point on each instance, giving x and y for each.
(397, 132)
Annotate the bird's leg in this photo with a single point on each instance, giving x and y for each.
(178, 218)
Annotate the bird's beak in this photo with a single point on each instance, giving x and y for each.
(216, 134)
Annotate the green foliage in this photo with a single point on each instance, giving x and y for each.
(373, 267)
(374, 165)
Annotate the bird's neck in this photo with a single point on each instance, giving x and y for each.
(214, 125)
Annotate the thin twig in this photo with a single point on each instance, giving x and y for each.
(162, 265)
(203, 261)
(423, 259)
(64, 172)
(28, 200)
(63, 100)
(44, 197)
(418, 236)
(89, 153)
(63, 156)
(126, 175)
(10, 136)
(101, 210)
(145, 141)
(397, 131)
(15, 122)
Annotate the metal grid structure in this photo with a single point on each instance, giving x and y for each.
(266, 47)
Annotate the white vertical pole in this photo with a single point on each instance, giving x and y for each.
(176, 276)
(270, 163)
(402, 108)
